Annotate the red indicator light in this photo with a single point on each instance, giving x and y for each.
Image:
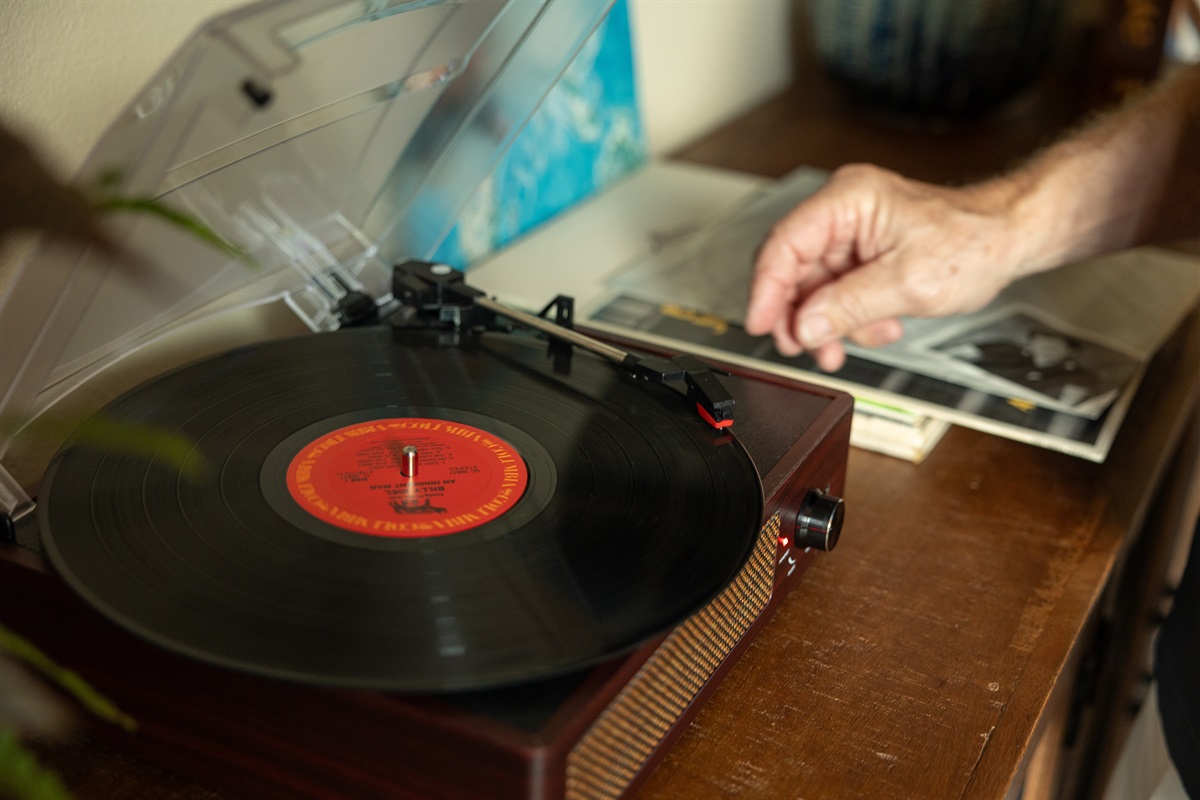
(783, 540)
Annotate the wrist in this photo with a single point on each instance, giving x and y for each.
(1013, 210)
(1129, 177)
(1058, 209)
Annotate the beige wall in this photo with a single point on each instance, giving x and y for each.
(701, 62)
(67, 67)
(70, 66)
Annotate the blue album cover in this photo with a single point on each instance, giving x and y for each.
(586, 134)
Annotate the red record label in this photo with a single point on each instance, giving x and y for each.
(407, 477)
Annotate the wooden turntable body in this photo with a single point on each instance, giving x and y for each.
(595, 734)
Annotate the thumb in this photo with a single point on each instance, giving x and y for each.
(857, 301)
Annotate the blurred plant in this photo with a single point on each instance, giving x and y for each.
(30, 710)
(26, 652)
(32, 199)
(109, 200)
(22, 776)
(172, 449)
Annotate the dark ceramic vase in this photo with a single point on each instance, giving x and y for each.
(933, 58)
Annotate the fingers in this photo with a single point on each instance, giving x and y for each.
(829, 353)
(772, 290)
(863, 305)
(784, 274)
(836, 266)
(877, 334)
(830, 357)
(823, 239)
(794, 337)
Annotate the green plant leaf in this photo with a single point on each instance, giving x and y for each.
(149, 205)
(22, 777)
(26, 651)
(177, 451)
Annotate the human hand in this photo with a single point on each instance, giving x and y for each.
(871, 247)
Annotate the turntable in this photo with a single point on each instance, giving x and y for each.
(351, 528)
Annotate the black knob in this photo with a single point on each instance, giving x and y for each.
(819, 521)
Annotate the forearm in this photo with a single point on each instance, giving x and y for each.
(1131, 177)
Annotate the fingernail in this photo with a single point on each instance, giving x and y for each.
(815, 331)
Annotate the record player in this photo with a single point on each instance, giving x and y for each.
(385, 536)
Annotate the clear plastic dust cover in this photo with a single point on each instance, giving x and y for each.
(313, 143)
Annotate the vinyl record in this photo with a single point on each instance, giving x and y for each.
(541, 522)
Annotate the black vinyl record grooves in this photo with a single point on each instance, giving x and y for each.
(543, 522)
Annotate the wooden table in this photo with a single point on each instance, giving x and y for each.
(950, 647)
(937, 652)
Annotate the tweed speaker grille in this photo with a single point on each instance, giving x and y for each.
(609, 755)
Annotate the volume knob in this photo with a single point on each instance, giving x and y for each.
(819, 520)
